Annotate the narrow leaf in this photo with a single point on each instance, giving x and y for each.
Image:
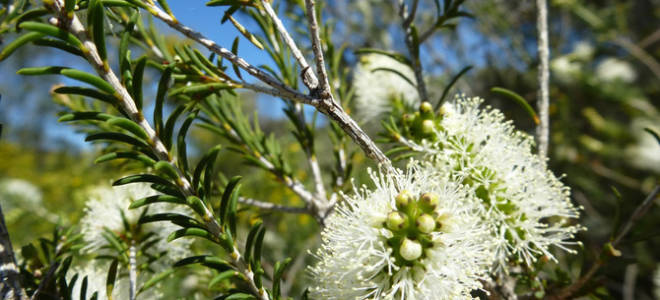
(519, 100)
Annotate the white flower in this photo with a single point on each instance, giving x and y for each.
(97, 275)
(583, 50)
(612, 69)
(377, 88)
(525, 206)
(107, 207)
(19, 193)
(564, 68)
(375, 245)
(645, 154)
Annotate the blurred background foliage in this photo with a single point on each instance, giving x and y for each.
(605, 89)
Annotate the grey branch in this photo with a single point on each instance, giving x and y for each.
(10, 285)
(132, 270)
(273, 206)
(329, 107)
(317, 48)
(408, 18)
(543, 97)
(308, 76)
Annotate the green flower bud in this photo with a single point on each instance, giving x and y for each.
(428, 126)
(395, 220)
(425, 223)
(425, 108)
(403, 198)
(430, 200)
(410, 250)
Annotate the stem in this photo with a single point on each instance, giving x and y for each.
(308, 76)
(132, 270)
(10, 285)
(273, 207)
(317, 47)
(543, 102)
(412, 48)
(640, 211)
(329, 107)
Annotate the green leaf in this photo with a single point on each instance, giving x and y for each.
(129, 126)
(166, 135)
(156, 279)
(206, 260)
(206, 162)
(197, 205)
(156, 199)
(240, 296)
(222, 276)
(58, 44)
(119, 137)
(85, 115)
(201, 88)
(149, 161)
(165, 7)
(166, 168)
(142, 178)
(182, 156)
(138, 75)
(234, 49)
(653, 133)
(404, 77)
(97, 20)
(87, 92)
(96, 81)
(398, 56)
(256, 227)
(69, 5)
(450, 85)
(83, 289)
(178, 219)
(226, 198)
(519, 100)
(35, 71)
(163, 85)
(53, 31)
(112, 276)
(20, 41)
(279, 269)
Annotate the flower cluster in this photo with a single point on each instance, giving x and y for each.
(525, 206)
(378, 86)
(414, 236)
(108, 209)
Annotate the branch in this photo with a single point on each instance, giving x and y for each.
(543, 102)
(329, 107)
(273, 206)
(317, 47)
(308, 76)
(413, 49)
(640, 211)
(132, 270)
(128, 105)
(10, 285)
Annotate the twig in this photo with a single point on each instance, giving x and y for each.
(132, 270)
(543, 102)
(640, 211)
(408, 17)
(308, 76)
(328, 107)
(128, 105)
(273, 206)
(640, 54)
(10, 285)
(629, 280)
(45, 280)
(317, 48)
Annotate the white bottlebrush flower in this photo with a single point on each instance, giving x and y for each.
(612, 69)
(525, 205)
(19, 193)
(583, 50)
(376, 87)
(105, 208)
(424, 242)
(97, 275)
(645, 153)
(565, 68)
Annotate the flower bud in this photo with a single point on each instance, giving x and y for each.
(410, 250)
(395, 220)
(425, 223)
(428, 126)
(430, 199)
(403, 198)
(425, 108)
